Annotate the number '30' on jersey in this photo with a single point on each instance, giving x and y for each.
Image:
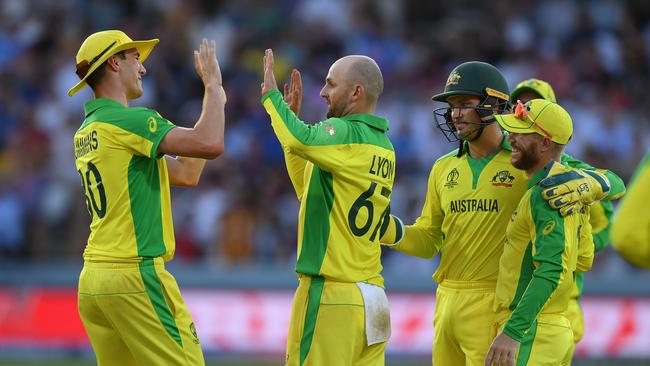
(125, 184)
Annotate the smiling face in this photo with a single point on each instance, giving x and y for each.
(131, 72)
(525, 150)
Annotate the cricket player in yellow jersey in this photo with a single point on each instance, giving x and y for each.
(600, 212)
(471, 195)
(543, 249)
(129, 304)
(631, 227)
(342, 170)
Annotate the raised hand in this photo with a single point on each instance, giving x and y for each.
(293, 92)
(206, 64)
(269, 78)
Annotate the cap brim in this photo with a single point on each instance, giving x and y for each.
(513, 124)
(143, 47)
(442, 97)
(522, 89)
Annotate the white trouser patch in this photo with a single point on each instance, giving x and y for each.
(377, 313)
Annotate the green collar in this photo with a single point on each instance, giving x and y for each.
(94, 104)
(541, 174)
(372, 121)
(505, 145)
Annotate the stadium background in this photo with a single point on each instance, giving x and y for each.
(236, 231)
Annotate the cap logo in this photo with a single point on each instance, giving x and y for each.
(453, 78)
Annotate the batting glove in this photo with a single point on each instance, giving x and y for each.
(572, 191)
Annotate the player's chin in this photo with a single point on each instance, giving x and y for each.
(136, 93)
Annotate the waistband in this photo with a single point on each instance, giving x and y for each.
(468, 285)
(135, 264)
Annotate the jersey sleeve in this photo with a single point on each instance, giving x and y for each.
(148, 127)
(296, 166)
(319, 143)
(600, 217)
(586, 245)
(617, 186)
(631, 224)
(424, 238)
(548, 248)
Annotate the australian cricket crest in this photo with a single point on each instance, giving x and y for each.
(503, 178)
(453, 78)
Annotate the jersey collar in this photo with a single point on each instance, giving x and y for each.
(541, 174)
(372, 121)
(94, 104)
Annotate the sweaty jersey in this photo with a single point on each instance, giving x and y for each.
(542, 253)
(342, 170)
(125, 182)
(469, 202)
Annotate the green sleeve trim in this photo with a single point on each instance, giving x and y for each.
(332, 131)
(526, 345)
(140, 121)
(549, 247)
(523, 317)
(549, 238)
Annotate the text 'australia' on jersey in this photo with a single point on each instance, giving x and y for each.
(343, 171)
(125, 184)
(465, 214)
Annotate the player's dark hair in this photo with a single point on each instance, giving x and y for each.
(96, 76)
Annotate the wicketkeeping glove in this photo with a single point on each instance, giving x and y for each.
(571, 191)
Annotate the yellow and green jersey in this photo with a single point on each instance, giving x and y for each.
(600, 217)
(542, 253)
(631, 227)
(125, 182)
(465, 214)
(467, 208)
(342, 170)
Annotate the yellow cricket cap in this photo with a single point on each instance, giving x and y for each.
(537, 86)
(98, 47)
(539, 116)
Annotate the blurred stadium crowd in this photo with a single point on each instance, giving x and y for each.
(596, 54)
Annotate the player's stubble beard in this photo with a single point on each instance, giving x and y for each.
(527, 157)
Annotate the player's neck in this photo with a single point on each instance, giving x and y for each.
(115, 92)
(486, 145)
(541, 163)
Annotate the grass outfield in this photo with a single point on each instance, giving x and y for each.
(257, 362)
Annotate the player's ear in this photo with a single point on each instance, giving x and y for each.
(112, 63)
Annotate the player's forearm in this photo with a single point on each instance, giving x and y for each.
(601, 238)
(184, 171)
(419, 242)
(209, 129)
(617, 186)
(294, 134)
(296, 166)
